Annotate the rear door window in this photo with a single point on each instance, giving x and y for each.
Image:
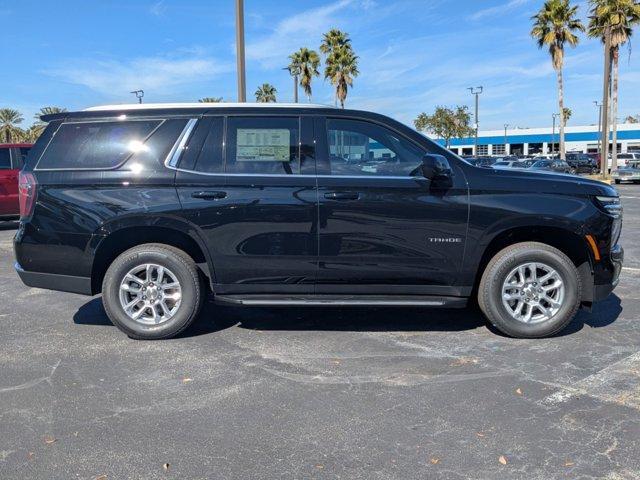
(263, 145)
(96, 145)
(5, 159)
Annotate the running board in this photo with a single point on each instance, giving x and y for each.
(343, 300)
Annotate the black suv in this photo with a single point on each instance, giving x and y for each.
(156, 206)
(581, 163)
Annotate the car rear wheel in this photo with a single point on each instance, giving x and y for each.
(152, 291)
(530, 290)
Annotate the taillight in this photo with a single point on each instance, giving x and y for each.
(27, 191)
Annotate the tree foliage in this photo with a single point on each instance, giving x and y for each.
(305, 63)
(341, 63)
(210, 100)
(446, 123)
(266, 93)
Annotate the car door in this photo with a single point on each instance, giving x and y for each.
(8, 184)
(383, 229)
(248, 184)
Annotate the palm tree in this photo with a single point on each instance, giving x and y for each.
(38, 127)
(210, 100)
(333, 39)
(341, 63)
(554, 26)
(620, 16)
(567, 115)
(31, 134)
(266, 93)
(342, 68)
(305, 63)
(9, 120)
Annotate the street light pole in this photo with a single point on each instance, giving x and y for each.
(242, 89)
(599, 105)
(139, 94)
(553, 134)
(476, 91)
(506, 125)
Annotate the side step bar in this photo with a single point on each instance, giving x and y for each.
(343, 300)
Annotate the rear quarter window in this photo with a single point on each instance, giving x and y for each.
(96, 145)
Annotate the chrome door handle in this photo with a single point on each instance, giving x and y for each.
(342, 195)
(209, 195)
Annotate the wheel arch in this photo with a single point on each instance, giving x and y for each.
(567, 241)
(120, 238)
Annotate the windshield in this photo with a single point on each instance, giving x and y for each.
(541, 164)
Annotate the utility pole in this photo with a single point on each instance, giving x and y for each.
(599, 105)
(476, 91)
(553, 134)
(506, 125)
(139, 94)
(604, 151)
(242, 88)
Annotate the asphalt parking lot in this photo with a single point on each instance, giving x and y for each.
(318, 393)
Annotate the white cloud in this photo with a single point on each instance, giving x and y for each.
(305, 28)
(158, 8)
(160, 74)
(498, 9)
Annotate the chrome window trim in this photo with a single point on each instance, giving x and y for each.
(282, 175)
(178, 147)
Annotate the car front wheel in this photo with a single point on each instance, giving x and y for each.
(530, 290)
(152, 291)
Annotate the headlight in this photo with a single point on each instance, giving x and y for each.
(612, 206)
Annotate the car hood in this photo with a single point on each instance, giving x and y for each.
(544, 181)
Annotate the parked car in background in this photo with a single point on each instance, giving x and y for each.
(480, 161)
(156, 206)
(581, 162)
(506, 164)
(627, 158)
(557, 166)
(12, 157)
(627, 173)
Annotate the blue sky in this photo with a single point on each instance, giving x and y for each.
(414, 55)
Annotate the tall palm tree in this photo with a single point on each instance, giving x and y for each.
(305, 63)
(210, 100)
(266, 93)
(555, 25)
(9, 120)
(342, 68)
(341, 64)
(620, 16)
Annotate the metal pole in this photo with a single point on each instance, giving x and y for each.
(295, 88)
(476, 91)
(242, 89)
(506, 125)
(553, 133)
(604, 151)
(599, 105)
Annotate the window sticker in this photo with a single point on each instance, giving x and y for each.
(263, 145)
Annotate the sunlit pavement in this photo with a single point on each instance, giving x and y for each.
(318, 393)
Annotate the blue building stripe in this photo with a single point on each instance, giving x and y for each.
(541, 138)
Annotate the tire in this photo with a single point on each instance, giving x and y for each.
(504, 264)
(183, 302)
(617, 182)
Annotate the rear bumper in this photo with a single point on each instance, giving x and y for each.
(602, 291)
(52, 281)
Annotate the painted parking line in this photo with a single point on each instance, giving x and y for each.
(618, 383)
(631, 269)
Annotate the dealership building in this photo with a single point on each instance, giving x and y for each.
(529, 141)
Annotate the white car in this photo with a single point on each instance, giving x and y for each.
(626, 158)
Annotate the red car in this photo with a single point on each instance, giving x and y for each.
(12, 157)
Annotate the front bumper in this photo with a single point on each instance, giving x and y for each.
(602, 291)
(52, 281)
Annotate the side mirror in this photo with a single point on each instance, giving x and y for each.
(437, 169)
